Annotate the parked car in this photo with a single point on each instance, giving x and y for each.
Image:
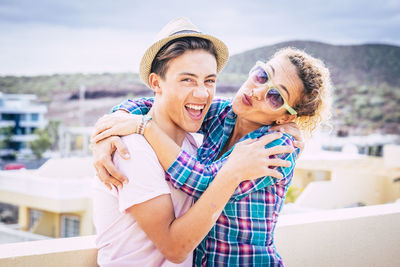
(14, 166)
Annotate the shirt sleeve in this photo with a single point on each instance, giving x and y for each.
(140, 106)
(217, 105)
(193, 177)
(145, 174)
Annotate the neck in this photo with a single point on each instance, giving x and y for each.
(243, 127)
(165, 123)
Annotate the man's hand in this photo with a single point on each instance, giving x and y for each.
(105, 169)
(118, 123)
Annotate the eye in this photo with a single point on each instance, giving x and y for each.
(210, 81)
(187, 80)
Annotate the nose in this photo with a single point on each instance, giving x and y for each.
(200, 92)
(258, 93)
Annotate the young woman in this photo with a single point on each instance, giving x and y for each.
(148, 222)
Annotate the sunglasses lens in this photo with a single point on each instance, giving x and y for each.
(274, 98)
(259, 76)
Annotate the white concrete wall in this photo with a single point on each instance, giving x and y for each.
(367, 236)
(348, 187)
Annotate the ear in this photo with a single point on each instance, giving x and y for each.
(286, 118)
(155, 83)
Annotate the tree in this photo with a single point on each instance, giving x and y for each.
(7, 136)
(41, 143)
(52, 129)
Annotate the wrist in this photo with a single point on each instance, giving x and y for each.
(230, 175)
(141, 127)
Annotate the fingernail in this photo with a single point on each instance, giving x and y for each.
(126, 181)
(127, 156)
(120, 186)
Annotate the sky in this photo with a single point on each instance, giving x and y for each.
(49, 36)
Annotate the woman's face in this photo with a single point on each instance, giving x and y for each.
(250, 102)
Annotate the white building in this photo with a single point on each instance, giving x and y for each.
(24, 115)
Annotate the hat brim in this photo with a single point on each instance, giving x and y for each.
(145, 64)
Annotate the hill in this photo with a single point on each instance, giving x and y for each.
(366, 79)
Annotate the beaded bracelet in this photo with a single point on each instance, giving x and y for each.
(142, 125)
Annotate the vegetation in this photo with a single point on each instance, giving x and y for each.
(41, 144)
(366, 79)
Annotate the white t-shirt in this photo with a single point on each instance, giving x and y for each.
(120, 240)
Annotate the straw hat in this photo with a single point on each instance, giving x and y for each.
(178, 28)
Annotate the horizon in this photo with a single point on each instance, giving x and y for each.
(133, 72)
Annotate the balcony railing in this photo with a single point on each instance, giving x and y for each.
(366, 236)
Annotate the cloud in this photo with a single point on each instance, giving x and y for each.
(95, 36)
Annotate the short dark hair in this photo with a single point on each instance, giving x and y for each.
(176, 48)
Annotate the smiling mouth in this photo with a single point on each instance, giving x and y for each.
(195, 111)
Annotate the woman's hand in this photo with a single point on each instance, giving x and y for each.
(251, 160)
(105, 168)
(118, 123)
(292, 129)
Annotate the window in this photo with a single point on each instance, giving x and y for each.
(34, 217)
(22, 117)
(7, 117)
(69, 225)
(34, 117)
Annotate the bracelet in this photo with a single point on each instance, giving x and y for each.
(142, 125)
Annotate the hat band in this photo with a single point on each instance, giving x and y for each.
(184, 32)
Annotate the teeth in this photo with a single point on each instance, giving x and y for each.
(195, 107)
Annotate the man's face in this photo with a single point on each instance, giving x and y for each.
(188, 88)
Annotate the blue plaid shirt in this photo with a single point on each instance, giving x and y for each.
(243, 234)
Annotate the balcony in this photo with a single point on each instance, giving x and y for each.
(365, 236)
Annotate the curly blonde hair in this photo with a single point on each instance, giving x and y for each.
(314, 106)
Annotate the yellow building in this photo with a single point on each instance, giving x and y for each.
(53, 200)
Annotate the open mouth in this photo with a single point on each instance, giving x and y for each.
(195, 111)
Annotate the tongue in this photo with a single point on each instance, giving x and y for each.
(194, 112)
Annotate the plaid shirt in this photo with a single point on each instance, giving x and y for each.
(243, 234)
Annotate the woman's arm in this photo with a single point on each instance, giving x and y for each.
(177, 237)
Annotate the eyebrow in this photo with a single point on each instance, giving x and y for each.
(194, 75)
(280, 85)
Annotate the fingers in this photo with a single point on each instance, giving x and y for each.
(268, 138)
(248, 141)
(105, 177)
(103, 135)
(274, 173)
(121, 148)
(279, 150)
(278, 163)
(299, 144)
(112, 170)
(101, 125)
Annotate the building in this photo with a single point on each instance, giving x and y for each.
(54, 200)
(23, 115)
(334, 180)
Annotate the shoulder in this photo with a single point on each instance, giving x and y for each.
(136, 142)
(140, 152)
(286, 139)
